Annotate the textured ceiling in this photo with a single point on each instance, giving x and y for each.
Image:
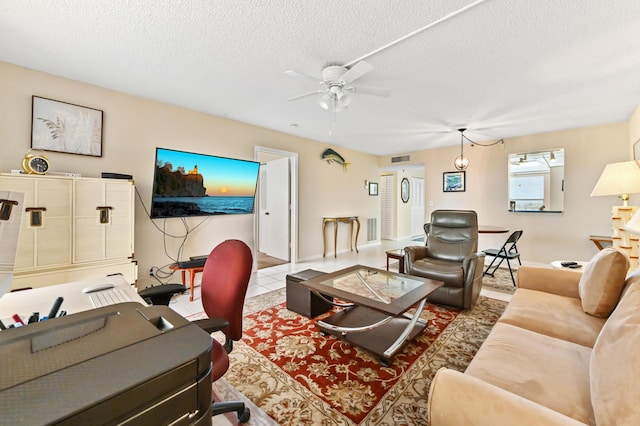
(501, 68)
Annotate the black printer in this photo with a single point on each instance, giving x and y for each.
(124, 364)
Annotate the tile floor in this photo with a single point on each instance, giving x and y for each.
(273, 278)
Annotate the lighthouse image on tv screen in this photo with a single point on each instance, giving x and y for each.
(190, 184)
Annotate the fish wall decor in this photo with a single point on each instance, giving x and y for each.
(333, 157)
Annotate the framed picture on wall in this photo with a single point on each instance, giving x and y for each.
(453, 182)
(63, 127)
(373, 188)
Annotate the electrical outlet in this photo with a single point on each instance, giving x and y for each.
(152, 271)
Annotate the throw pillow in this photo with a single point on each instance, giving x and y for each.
(615, 365)
(602, 282)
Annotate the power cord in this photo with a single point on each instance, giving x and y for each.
(163, 274)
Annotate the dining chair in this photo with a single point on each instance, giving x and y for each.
(508, 252)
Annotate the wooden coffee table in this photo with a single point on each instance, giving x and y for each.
(375, 316)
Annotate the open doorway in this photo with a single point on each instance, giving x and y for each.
(402, 218)
(275, 224)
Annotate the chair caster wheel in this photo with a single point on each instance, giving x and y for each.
(244, 416)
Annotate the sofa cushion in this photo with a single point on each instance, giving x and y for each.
(553, 315)
(615, 364)
(602, 282)
(548, 371)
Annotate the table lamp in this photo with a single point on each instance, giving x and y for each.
(621, 179)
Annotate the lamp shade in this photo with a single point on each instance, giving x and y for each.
(619, 179)
(633, 225)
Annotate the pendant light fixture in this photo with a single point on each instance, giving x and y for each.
(461, 162)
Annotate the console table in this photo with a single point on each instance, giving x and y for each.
(601, 241)
(335, 220)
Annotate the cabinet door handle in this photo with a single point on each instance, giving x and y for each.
(36, 216)
(104, 213)
(5, 208)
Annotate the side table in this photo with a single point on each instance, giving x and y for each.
(399, 255)
(335, 220)
(192, 275)
(557, 264)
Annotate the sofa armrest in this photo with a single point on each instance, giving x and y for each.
(457, 399)
(545, 278)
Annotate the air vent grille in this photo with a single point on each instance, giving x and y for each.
(372, 229)
(400, 159)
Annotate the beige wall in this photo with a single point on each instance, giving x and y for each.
(634, 131)
(547, 236)
(134, 127)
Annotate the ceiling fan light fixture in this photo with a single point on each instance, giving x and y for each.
(334, 102)
(325, 101)
(343, 100)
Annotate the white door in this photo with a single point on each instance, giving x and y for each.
(417, 206)
(274, 209)
(386, 207)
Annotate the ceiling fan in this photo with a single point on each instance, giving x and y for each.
(335, 86)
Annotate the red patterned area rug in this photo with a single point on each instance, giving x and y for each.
(300, 377)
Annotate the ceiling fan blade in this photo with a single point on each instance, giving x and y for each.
(298, 74)
(369, 90)
(304, 95)
(355, 72)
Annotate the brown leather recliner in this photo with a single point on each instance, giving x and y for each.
(450, 255)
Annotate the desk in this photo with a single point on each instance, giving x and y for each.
(192, 275)
(601, 241)
(25, 302)
(335, 220)
(490, 229)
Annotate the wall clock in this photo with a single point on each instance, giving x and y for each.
(35, 163)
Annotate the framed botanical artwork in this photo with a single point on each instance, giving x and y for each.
(404, 190)
(64, 127)
(453, 182)
(373, 188)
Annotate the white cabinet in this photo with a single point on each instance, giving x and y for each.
(73, 229)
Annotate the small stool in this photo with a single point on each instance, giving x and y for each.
(300, 299)
(161, 294)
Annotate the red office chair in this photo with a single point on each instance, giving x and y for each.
(224, 285)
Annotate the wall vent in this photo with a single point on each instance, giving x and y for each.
(372, 229)
(400, 159)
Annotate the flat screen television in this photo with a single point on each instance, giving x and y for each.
(190, 184)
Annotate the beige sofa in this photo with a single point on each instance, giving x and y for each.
(566, 351)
